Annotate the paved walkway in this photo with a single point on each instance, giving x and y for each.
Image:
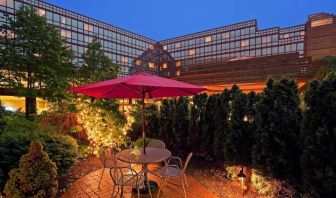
(87, 186)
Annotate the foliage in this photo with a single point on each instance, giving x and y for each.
(166, 122)
(276, 151)
(18, 134)
(96, 66)
(2, 114)
(39, 62)
(195, 124)
(329, 66)
(152, 121)
(208, 127)
(180, 122)
(139, 142)
(221, 120)
(319, 138)
(240, 137)
(35, 177)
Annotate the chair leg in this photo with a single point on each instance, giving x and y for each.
(185, 195)
(138, 192)
(101, 177)
(122, 191)
(149, 189)
(162, 184)
(185, 178)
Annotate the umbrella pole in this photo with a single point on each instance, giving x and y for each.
(143, 122)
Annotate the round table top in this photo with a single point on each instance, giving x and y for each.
(136, 155)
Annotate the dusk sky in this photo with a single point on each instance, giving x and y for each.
(163, 19)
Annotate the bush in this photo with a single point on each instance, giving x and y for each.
(35, 177)
(17, 136)
(139, 142)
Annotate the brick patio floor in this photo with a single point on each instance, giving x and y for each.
(87, 186)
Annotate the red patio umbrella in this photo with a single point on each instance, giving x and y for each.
(142, 86)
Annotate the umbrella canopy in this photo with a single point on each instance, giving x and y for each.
(138, 86)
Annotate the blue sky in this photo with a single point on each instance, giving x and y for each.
(163, 19)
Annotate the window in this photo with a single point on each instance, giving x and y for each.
(244, 43)
(41, 12)
(124, 59)
(286, 36)
(151, 65)
(165, 47)
(65, 33)
(208, 39)
(88, 27)
(322, 22)
(178, 63)
(3, 2)
(138, 62)
(178, 73)
(266, 39)
(302, 33)
(177, 45)
(226, 35)
(151, 47)
(63, 19)
(164, 65)
(191, 52)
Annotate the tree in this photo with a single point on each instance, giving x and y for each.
(319, 138)
(329, 66)
(276, 150)
(195, 123)
(208, 127)
(166, 122)
(180, 122)
(38, 61)
(221, 120)
(35, 177)
(2, 114)
(240, 137)
(96, 66)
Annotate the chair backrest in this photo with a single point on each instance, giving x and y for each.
(157, 144)
(187, 161)
(107, 154)
(116, 174)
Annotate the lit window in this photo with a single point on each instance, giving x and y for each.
(151, 65)
(41, 12)
(164, 65)
(65, 33)
(138, 62)
(286, 36)
(226, 35)
(3, 2)
(124, 59)
(208, 39)
(88, 27)
(178, 73)
(322, 22)
(178, 63)
(244, 43)
(165, 47)
(177, 45)
(302, 33)
(63, 19)
(151, 47)
(191, 52)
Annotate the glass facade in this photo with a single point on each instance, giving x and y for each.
(130, 50)
(119, 45)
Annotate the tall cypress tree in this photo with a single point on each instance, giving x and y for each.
(181, 121)
(221, 121)
(197, 110)
(276, 150)
(39, 62)
(318, 160)
(166, 121)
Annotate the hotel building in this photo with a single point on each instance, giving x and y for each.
(239, 53)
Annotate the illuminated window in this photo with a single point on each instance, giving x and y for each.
(302, 33)
(178, 63)
(208, 39)
(164, 65)
(124, 59)
(244, 43)
(178, 73)
(138, 62)
(165, 47)
(63, 19)
(41, 12)
(226, 35)
(151, 65)
(177, 45)
(286, 36)
(88, 27)
(191, 52)
(3, 2)
(322, 22)
(151, 47)
(65, 33)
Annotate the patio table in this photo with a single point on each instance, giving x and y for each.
(137, 156)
